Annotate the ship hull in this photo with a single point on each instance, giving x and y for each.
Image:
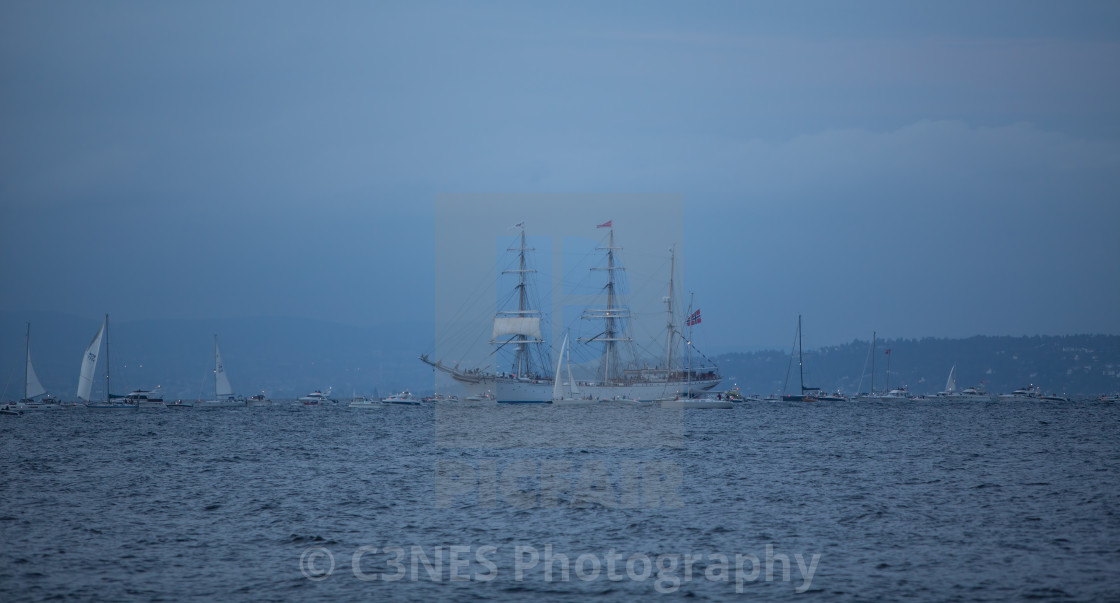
(508, 391)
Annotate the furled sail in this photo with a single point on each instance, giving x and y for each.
(89, 364)
(517, 325)
(222, 388)
(33, 387)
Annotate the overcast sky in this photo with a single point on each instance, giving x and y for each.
(936, 169)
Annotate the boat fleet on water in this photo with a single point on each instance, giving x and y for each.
(674, 383)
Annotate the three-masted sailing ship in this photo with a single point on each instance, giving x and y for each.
(519, 329)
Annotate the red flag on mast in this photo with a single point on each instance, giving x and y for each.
(606, 224)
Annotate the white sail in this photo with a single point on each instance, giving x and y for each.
(571, 382)
(89, 364)
(33, 387)
(222, 388)
(529, 326)
(557, 387)
(951, 384)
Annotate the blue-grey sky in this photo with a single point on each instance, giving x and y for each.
(940, 169)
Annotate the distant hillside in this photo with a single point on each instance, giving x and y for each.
(1073, 364)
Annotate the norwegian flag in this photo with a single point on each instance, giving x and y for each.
(606, 224)
(693, 319)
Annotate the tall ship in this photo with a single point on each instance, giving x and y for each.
(618, 375)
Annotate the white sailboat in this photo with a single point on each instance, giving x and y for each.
(968, 394)
(135, 400)
(32, 387)
(223, 391)
(573, 398)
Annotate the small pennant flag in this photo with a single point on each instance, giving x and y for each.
(518, 225)
(693, 319)
(606, 224)
(888, 351)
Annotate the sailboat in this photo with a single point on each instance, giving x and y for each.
(573, 398)
(134, 400)
(807, 394)
(968, 394)
(871, 396)
(519, 329)
(704, 400)
(32, 388)
(223, 391)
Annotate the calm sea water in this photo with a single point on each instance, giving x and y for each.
(924, 501)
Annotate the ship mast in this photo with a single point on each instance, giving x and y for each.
(800, 362)
(688, 389)
(669, 309)
(610, 315)
(108, 396)
(26, 360)
(524, 322)
(873, 362)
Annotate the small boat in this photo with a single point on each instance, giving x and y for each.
(1108, 398)
(32, 388)
(968, 394)
(558, 395)
(180, 404)
(480, 399)
(404, 397)
(897, 394)
(706, 401)
(691, 399)
(807, 394)
(135, 400)
(364, 402)
(873, 395)
(223, 391)
(258, 400)
(145, 399)
(7, 410)
(47, 403)
(316, 398)
(1023, 394)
